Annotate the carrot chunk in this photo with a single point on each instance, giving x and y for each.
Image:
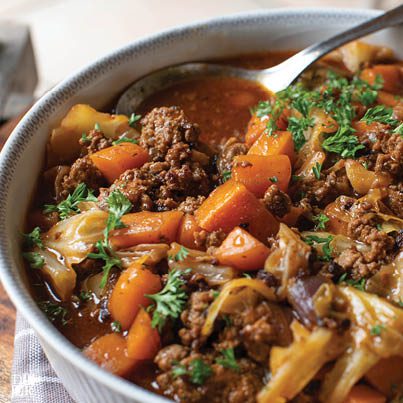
(115, 160)
(242, 251)
(186, 232)
(364, 394)
(390, 74)
(146, 227)
(232, 204)
(258, 172)
(143, 341)
(128, 295)
(386, 373)
(276, 144)
(110, 352)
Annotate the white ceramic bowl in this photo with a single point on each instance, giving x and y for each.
(98, 84)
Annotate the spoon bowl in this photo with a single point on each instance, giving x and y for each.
(274, 79)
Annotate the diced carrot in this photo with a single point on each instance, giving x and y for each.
(110, 352)
(388, 99)
(242, 251)
(292, 216)
(128, 295)
(257, 126)
(276, 144)
(258, 172)
(143, 341)
(232, 204)
(186, 232)
(364, 394)
(146, 227)
(115, 160)
(386, 373)
(390, 74)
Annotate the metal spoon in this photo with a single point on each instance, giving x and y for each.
(275, 78)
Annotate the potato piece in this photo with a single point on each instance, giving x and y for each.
(63, 145)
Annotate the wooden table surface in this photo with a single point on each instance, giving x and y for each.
(7, 314)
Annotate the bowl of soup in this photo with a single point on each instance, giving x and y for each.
(221, 242)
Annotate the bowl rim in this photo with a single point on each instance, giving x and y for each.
(20, 296)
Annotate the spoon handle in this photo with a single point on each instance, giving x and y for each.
(296, 64)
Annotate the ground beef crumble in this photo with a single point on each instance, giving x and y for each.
(276, 201)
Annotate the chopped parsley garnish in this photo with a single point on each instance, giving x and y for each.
(228, 359)
(273, 179)
(325, 242)
(106, 254)
(297, 127)
(33, 238)
(171, 300)
(116, 327)
(227, 319)
(133, 119)
(320, 221)
(97, 127)
(377, 330)
(226, 175)
(380, 114)
(262, 109)
(198, 371)
(316, 169)
(35, 260)
(85, 295)
(358, 284)
(343, 142)
(399, 130)
(400, 302)
(85, 138)
(246, 275)
(182, 254)
(54, 312)
(118, 205)
(295, 178)
(124, 139)
(69, 206)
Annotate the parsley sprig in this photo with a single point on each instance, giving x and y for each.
(35, 260)
(118, 206)
(69, 206)
(228, 359)
(325, 242)
(170, 301)
(54, 312)
(320, 221)
(33, 238)
(198, 371)
(380, 114)
(358, 284)
(124, 139)
(182, 254)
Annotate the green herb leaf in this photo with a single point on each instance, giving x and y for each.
(171, 300)
(380, 114)
(35, 260)
(85, 138)
(116, 327)
(198, 371)
(133, 119)
(110, 259)
(316, 169)
(343, 142)
(320, 221)
(228, 359)
(97, 127)
(118, 205)
(325, 242)
(54, 312)
(273, 179)
(124, 139)
(33, 238)
(399, 130)
(358, 284)
(69, 206)
(377, 330)
(297, 127)
(182, 254)
(85, 296)
(226, 175)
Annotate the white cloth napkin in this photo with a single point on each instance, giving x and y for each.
(33, 379)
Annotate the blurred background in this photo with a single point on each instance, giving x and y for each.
(67, 34)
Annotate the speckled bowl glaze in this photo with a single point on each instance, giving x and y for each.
(98, 84)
